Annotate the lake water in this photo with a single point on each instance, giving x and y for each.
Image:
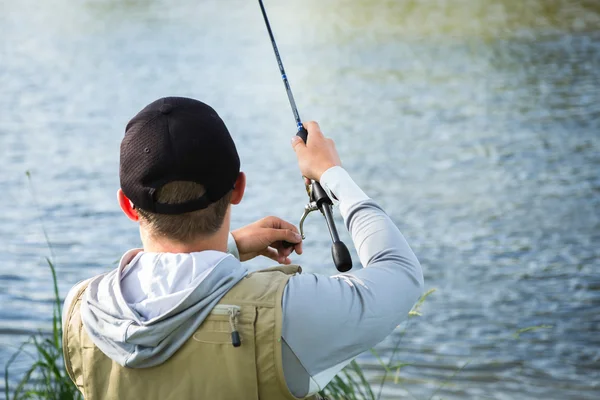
(475, 124)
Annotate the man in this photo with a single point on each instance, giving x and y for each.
(183, 319)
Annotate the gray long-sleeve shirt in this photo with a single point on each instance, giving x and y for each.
(329, 320)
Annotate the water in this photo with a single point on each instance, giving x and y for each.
(475, 124)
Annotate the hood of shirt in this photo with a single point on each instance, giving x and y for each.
(140, 314)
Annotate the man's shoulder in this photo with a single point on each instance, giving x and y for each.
(72, 294)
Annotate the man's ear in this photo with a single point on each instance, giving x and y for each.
(127, 206)
(240, 187)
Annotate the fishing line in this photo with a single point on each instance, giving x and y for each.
(286, 83)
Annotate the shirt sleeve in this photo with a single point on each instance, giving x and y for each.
(329, 320)
(232, 246)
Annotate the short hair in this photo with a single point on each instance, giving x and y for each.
(186, 227)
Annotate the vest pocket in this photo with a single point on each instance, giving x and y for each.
(233, 312)
(225, 348)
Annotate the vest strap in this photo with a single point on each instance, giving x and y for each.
(67, 332)
(286, 269)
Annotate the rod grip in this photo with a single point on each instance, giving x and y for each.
(303, 133)
(341, 256)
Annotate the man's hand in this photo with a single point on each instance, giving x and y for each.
(265, 238)
(317, 155)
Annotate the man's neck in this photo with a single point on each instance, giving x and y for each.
(217, 241)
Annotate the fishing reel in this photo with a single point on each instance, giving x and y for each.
(319, 200)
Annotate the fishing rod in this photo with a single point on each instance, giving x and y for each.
(318, 199)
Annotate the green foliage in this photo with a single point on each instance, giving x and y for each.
(47, 378)
(350, 384)
(416, 311)
(518, 333)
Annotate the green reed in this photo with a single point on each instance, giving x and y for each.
(47, 377)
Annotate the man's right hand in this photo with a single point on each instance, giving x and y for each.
(317, 155)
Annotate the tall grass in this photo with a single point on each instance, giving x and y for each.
(46, 378)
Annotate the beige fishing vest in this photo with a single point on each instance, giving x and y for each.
(208, 365)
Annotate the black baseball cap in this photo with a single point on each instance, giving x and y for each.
(177, 139)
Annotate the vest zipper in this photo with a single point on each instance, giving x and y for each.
(233, 312)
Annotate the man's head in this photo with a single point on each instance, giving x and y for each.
(179, 170)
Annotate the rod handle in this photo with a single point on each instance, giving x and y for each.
(341, 256)
(303, 133)
(339, 251)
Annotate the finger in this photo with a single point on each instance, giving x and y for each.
(313, 128)
(283, 257)
(298, 248)
(298, 144)
(306, 181)
(288, 250)
(273, 255)
(276, 235)
(315, 136)
(278, 223)
(286, 225)
(283, 250)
